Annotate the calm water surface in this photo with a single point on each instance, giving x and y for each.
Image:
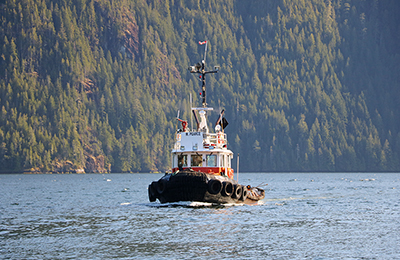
(304, 216)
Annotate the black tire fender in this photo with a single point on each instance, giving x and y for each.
(237, 191)
(227, 189)
(161, 186)
(244, 194)
(214, 186)
(152, 194)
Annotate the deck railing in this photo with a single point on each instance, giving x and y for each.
(210, 141)
(218, 139)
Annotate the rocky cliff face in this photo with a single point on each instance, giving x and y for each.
(96, 164)
(131, 35)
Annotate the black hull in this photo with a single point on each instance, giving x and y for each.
(201, 187)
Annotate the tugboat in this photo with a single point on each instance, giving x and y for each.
(201, 162)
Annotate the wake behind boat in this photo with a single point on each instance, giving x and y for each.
(201, 161)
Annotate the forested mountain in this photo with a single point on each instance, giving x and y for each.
(95, 85)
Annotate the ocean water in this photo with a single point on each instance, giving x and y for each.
(303, 216)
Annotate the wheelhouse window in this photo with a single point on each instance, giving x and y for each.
(182, 160)
(211, 160)
(196, 160)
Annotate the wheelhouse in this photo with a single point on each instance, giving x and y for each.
(202, 151)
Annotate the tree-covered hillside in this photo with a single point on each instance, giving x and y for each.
(95, 85)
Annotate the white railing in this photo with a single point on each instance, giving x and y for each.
(218, 139)
(209, 141)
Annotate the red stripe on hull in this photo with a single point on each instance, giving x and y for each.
(209, 170)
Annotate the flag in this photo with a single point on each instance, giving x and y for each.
(201, 43)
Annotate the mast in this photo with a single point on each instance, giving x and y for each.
(200, 68)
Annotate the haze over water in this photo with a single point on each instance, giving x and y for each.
(303, 216)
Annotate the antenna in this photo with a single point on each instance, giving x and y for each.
(237, 168)
(191, 116)
(177, 117)
(205, 53)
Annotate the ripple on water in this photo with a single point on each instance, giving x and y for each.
(317, 216)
